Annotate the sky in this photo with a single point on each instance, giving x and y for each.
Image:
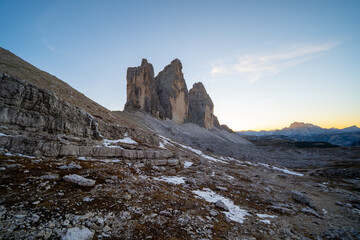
(265, 64)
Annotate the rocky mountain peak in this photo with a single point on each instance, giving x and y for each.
(172, 91)
(201, 107)
(297, 125)
(167, 95)
(144, 62)
(141, 89)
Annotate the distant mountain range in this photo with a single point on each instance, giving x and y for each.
(300, 131)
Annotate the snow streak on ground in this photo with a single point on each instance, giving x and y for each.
(235, 213)
(171, 179)
(17, 155)
(281, 169)
(166, 140)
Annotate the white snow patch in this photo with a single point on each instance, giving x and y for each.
(235, 213)
(266, 221)
(171, 179)
(324, 211)
(110, 160)
(166, 140)
(76, 233)
(287, 171)
(18, 155)
(108, 142)
(87, 199)
(82, 158)
(200, 153)
(284, 170)
(229, 177)
(265, 216)
(188, 164)
(4, 135)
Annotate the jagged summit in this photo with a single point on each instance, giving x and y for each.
(173, 92)
(141, 89)
(201, 107)
(167, 95)
(297, 125)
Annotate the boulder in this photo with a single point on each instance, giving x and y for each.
(302, 198)
(201, 107)
(79, 180)
(172, 91)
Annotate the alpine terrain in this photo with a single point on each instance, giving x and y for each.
(164, 168)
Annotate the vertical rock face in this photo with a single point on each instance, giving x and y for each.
(167, 95)
(173, 93)
(141, 89)
(201, 107)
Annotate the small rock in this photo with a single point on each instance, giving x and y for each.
(310, 211)
(74, 178)
(70, 166)
(221, 188)
(302, 198)
(282, 210)
(106, 229)
(355, 199)
(78, 234)
(127, 196)
(221, 205)
(66, 223)
(87, 199)
(213, 212)
(165, 213)
(339, 203)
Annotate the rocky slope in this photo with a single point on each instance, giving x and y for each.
(68, 171)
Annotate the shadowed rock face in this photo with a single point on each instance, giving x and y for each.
(28, 107)
(173, 93)
(201, 107)
(141, 89)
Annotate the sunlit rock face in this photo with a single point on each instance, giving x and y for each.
(201, 107)
(141, 89)
(172, 91)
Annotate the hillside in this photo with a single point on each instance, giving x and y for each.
(71, 169)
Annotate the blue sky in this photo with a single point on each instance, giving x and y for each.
(264, 63)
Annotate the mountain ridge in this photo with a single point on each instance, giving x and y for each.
(300, 131)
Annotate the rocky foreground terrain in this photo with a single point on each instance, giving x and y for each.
(163, 169)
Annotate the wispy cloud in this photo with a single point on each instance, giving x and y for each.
(51, 48)
(254, 67)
